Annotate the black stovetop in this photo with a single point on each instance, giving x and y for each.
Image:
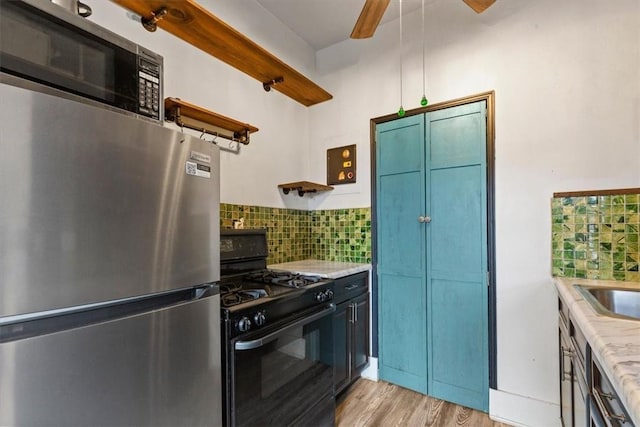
(253, 297)
(245, 291)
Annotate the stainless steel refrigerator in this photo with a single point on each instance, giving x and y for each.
(109, 245)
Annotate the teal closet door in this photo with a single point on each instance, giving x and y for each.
(401, 257)
(457, 292)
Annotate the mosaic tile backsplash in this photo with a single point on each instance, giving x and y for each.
(294, 234)
(596, 237)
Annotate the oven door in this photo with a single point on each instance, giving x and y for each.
(284, 377)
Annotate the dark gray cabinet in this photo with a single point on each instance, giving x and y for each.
(587, 398)
(350, 328)
(573, 353)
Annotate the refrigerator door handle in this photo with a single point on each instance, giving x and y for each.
(43, 323)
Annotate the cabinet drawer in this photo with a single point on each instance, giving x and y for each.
(346, 288)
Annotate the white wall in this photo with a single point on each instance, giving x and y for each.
(277, 153)
(567, 81)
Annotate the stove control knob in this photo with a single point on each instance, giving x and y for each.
(260, 318)
(321, 297)
(329, 294)
(244, 324)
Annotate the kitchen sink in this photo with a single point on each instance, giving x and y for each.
(615, 302)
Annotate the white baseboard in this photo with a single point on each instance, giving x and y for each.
(522, 411)
(371, 371)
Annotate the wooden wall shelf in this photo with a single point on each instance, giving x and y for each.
(303, 187)
(198, 118)
(194, 24)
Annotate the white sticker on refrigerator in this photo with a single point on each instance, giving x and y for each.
(197, 169)
(200, 157)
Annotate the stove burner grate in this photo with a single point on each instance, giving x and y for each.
(234, 295)
(290, 280)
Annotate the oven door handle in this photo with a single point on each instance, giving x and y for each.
(253, 344)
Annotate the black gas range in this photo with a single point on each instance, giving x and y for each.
(265, 298)
(277, 338)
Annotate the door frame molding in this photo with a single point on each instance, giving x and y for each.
(489, 97)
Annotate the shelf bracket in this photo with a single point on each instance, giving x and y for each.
(151, 24)
(267, 85)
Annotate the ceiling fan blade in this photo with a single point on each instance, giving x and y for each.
(369, 18)
(479, 5)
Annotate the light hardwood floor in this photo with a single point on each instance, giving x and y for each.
(370, 403)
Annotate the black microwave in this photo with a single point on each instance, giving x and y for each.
(43, 43)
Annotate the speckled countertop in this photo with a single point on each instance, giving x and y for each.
(328, 269)
(614, 342)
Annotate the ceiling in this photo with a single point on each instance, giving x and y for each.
(322, 23)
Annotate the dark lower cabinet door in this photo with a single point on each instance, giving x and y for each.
(360, 338)
(341, 365)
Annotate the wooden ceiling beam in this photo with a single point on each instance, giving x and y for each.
(479, 5)
(369, 18)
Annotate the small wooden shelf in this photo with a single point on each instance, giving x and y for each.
(198, 118)
(194, 24)
(303, 187)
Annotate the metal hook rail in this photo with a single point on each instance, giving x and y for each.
(197, 118)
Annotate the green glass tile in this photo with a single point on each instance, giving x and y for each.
(604, 200)
(605, 258)
(592, 265)
(580, 219)
(619, 275)
(618, 256)
(581, 274)
(618, 209)
(631, 266)
(606, 275)
(632, 276)
(581, 210)
(593, 274)
(604, 246)
(632, 198)
(592, 200)
(618, 227)
(617, 200)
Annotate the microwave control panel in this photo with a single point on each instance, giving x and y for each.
(149, 87)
